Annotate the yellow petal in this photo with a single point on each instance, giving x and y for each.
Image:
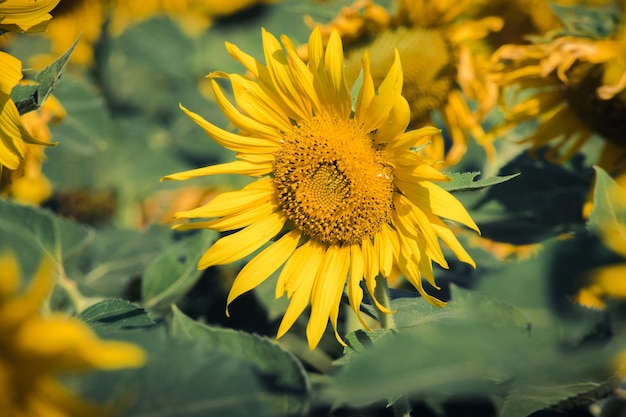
(257, 193)
(328, 286)
(263, 265)
(10, 72)
(242, 219)
(388, 92)
(298, 276)
(238, 245)
(434, 199)
(257, 103)
(355, 292)
(280, 73)
(366, 94)
(243, 122)
(233, 141)
(26, 15)
(252, 169)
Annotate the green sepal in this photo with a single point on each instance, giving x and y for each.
(31, 97)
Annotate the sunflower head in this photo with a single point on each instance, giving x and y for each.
(341, 195)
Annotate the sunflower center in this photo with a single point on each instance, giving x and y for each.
(605, 117)
(428, 66)
(332, 182)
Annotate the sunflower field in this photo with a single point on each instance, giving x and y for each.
(313, 208)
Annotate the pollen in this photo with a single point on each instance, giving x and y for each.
(332, 182)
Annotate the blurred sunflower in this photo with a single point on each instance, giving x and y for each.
(27, 183)
(573, 87)
(436, 41)
(87, 19)
(342, 195)
(35, 348)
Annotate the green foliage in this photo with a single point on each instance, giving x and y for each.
(595, 22)
(171, 274)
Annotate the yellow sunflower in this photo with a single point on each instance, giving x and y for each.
(436, 41)
(35, 348)
(574, 88)
(340, 195)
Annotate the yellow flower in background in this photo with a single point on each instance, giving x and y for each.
(340, 193)
(35, 348)
(25, 15)
(573, 86)
(87, 19)
(27, 184)
(435, 41)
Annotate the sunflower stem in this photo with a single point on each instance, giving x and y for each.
(401, 407)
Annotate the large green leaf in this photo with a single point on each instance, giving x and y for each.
(57, 237)
(115, 314)
(182, 378)
(116, 258)
(288, 393)
(501, 339)
(169, 276)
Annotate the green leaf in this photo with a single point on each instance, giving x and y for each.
(594, 22)
(499, 340)
(182, 378)
(544, 202)
(113, 314)
(168, 277)
(609, 204)
(290, 392)
(116, 258)
(464, 181)
(31, 97)
(57, 237)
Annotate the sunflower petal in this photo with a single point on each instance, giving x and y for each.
(233, 247)
(263, 265)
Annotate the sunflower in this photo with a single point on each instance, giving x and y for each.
(34, 349)
(436, 41)
(340, 195)
(574, 88)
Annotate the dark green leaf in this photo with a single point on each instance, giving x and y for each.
(594, 22)
(112, 314)
(279, 368)
(182, 378)
(58, 237)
